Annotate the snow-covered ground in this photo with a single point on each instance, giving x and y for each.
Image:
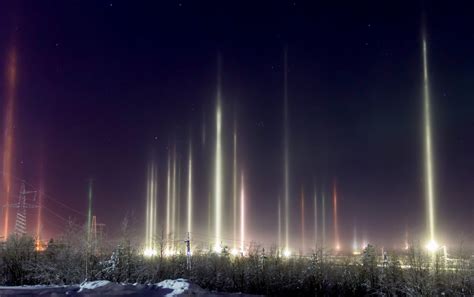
(179, 286)
(166, 288)
(93, 285)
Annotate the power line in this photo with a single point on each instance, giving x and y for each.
(45, 195)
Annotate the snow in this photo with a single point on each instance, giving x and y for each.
(34, 287)
(169, 288)
(93, 285)
(179, 286)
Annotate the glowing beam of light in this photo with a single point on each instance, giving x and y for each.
(203, 130)
(40, 207)
(89, 211)
(209, 213)
(168, 200)
(234, 186)
(302, 222)
(286, 152)
(335, 217)
(279, 223)
(8, 134)
(151, 210)
(315, 202)
(147, 209)
(218, 164)
(154, 206)
(178, 200)
(355, 245)
(173, 199)
(190, 190)
(407, 244)
(323, 220)
(428, 146)
(242, 213)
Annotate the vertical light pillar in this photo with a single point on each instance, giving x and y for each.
(218, 165)
(8, 130)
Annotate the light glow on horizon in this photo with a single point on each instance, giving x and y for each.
(150, 252)
(234, 252)
(432, 246)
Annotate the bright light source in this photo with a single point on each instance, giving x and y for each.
(355, 249)
(364, 244)
(286, 253)
(432, 246)
(168, 253)
(148, 252)
(234, 252)
(40, 246)
(217, 249)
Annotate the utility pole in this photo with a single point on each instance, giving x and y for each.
(22, 205)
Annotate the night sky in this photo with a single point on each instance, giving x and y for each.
(103, 87)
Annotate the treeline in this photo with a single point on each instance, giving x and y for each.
(71, 259)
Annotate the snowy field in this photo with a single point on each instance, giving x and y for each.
(168, 288)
